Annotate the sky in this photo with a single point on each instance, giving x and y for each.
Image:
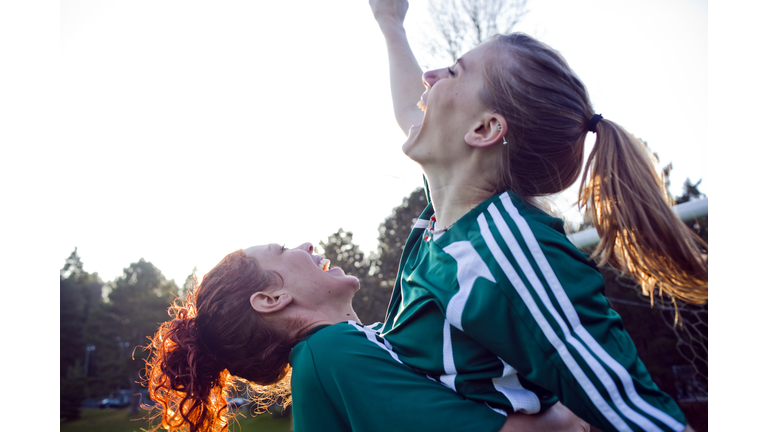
(178, 131)
(191, 129)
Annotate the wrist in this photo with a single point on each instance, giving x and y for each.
(391, 27)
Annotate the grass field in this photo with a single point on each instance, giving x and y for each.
(118, 420)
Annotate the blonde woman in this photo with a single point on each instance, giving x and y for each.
(491, 298)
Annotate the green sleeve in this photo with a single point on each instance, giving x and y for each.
(547, 317)
(312, 410)
(347, 379)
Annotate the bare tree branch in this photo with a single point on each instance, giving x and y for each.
(460, 26)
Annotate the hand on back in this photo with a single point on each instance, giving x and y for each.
(556, 419)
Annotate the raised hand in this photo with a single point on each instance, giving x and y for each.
(387, 12)
(404, 72)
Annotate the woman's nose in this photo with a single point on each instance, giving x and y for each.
(431, 77)
(306, 247)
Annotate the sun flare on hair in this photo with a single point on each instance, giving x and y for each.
(178, 402)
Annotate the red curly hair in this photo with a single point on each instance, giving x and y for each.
(215, 340)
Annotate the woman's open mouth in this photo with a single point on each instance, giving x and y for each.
(323, 264)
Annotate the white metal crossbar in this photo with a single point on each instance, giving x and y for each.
(686, 211)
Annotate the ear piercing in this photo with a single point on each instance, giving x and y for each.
(498, 128)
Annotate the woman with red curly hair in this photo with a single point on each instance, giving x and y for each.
(283, 322)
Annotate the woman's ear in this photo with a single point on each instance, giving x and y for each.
(489, 130)
(268, 303)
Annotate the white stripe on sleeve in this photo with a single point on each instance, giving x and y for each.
(573, 317)
(449, 379)
(508, 384)
(549, 332)
(371, 335)
(469, 267)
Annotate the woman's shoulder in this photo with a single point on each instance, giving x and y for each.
(318, 344)
(340, 337)
(508, 219)
(341, 346)
(326, 334)
(514, 211)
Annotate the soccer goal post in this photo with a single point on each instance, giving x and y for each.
(686, 212)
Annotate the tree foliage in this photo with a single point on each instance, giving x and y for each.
(72, 390)
(393, 233)
(377, 273)
(138, 303)
(189, 283)
(460, 25)
(79, 297)
(344, 253)
(99, 335)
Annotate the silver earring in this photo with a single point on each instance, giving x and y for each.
(498, 127)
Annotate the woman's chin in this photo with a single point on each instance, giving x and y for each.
(338, 272)
(408, 147)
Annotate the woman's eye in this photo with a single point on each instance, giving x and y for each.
(282, 248)
(451, 71)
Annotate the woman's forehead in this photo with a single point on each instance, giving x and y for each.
(474, 59)
(255, 251)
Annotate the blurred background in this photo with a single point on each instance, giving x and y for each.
(192, 129)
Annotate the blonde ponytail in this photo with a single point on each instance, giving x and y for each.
(640, 235)
(548, 113)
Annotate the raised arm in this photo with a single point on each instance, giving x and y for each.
(404, 72)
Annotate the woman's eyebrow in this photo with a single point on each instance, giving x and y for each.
(460, 62)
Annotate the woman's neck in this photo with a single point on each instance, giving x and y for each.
(334, 315)
(453, 195)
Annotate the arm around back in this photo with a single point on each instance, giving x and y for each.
(556, 419)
